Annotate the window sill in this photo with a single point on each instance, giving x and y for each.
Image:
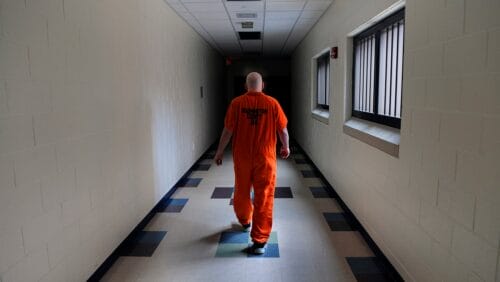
(382, 137)
(321, 115)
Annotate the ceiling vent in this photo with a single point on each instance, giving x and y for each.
(249, 35)
(246, 15)
(247, 25)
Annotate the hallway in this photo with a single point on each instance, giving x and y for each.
(106, 105)
(196, 237)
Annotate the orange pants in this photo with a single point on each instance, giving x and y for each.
(262, 176)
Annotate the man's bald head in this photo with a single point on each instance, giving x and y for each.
(254, 82)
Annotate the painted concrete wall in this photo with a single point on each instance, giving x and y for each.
(435, 210)
(100, 114)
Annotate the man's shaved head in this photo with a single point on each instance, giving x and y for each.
(254, 82)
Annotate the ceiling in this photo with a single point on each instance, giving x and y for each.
(282, 24)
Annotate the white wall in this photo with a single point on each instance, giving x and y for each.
(100, 114)
(435, 210)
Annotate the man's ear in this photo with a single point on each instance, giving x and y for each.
(263, 85)
(246, 87)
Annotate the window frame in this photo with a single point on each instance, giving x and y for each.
(326, 57)
(376, 30)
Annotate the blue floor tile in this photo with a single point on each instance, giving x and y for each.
(272, 251)
(234, 237)
(177, 202)
(172, 205)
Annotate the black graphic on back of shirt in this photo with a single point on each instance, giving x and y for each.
(254, 114)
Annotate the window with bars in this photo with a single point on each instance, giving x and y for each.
(323, 81)
(378, 71)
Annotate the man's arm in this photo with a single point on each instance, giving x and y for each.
(285, 149)
(224, 140)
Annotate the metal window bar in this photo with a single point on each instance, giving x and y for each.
(391, 70)
(378, 71)
(357, 80)
(400, 69)
(372, 73)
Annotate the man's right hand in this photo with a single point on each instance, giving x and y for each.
(285, 152)
(218, 158)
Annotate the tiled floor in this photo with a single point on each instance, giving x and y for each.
(194, 236)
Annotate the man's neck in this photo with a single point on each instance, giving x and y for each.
(254, 92)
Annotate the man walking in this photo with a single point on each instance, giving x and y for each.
(253, 120)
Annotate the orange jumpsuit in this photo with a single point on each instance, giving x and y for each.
(254, 119)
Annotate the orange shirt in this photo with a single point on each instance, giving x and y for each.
(254, 118)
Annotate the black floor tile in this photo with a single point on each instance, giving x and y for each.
(143, 245)
(222, 193)
(201, 167)
(372, 278)
(189, 182)
(301, 161)
(283, 192)
(208, 156)
(321, 192)
(309, 173)
(339, 222)
(368, 269)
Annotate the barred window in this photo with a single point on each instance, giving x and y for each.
(378, 71)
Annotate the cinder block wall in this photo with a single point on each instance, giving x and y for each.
(100, 114)
(435, 210)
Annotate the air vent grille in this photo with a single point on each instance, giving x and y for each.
(246, 15)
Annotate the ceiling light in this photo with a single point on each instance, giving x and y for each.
(247, 25)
